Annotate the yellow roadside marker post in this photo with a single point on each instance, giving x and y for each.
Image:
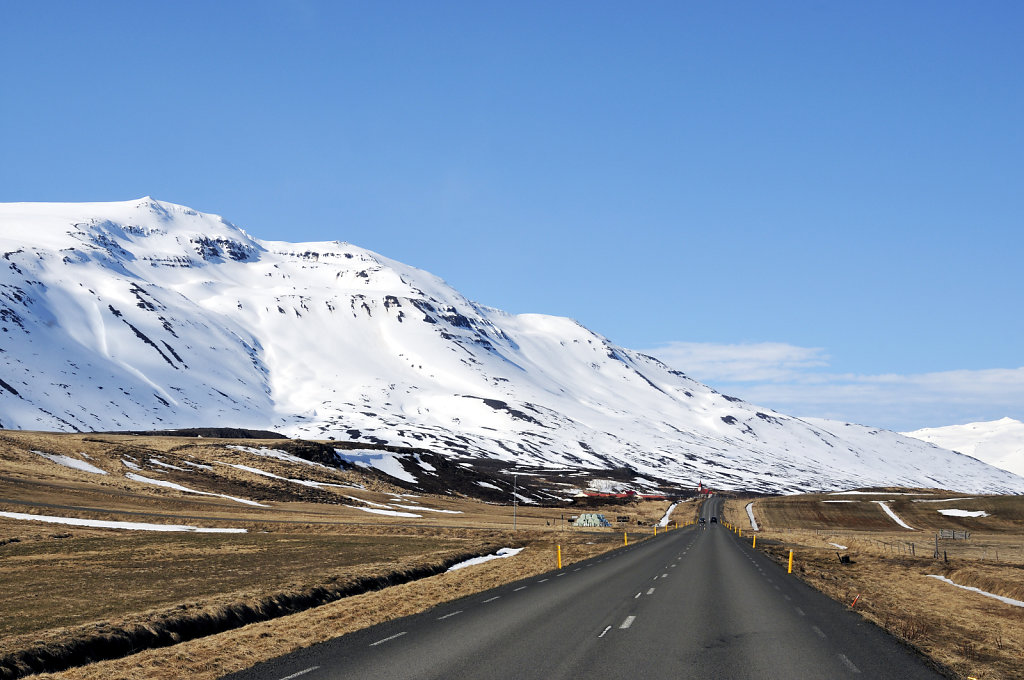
(625, 538)
(790, 571)
(559, 557)
(754, 544)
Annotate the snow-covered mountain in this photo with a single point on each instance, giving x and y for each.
(998, 442)
(146, 314)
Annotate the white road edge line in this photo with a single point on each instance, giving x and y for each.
(604, 631)
(295, 675)
(627, 623)
(388, 639)
(848, 664)
(448, 616)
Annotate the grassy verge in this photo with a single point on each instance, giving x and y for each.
(215, 655)
(966, 634)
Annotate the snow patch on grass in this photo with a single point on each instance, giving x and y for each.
(953, 512)
(385, 461)
(1007, 600)
(750, 514)
(69, 462)
(381, 511)
(894, 516)
(106, 524)
(663, 522)
(504, 552)
(178, 487)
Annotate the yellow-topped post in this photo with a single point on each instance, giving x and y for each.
(790, 571)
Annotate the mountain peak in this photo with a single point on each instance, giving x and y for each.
(151, 315)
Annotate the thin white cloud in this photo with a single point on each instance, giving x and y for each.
(789, 379)
(749, 362)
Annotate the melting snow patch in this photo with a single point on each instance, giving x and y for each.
(870, 493)
(424, 509)
(379, 505)
(195, 465)
(70, 462)
(836, 545)
(840, 501)
(953, 512)
(179, 487)
(385, 461)
(380, 511)
(278, 455)
(750, 514)
(264, 473)
(663, 522)
(105, 524)
(943, 500)
(894, 516)
(154, 461)
(1007, 600)
(425, 465)
(504, 552)
(488, 485)
(130, 465)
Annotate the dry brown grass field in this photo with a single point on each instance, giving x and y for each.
(306, 547)
(970, 635)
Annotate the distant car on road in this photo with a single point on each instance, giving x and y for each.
(714, 520)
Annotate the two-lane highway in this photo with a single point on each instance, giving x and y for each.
(690, 603)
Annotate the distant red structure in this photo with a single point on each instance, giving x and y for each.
(703, 490)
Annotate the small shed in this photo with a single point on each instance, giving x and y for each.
(591, 519)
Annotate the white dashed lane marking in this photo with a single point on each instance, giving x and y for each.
(300, 673)
(387, 639)
(448, 616)
(819, 632)
(519, 588)
(627, 623)
(604, 631)
(848, 664)
(650, 591)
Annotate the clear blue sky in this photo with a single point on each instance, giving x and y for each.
(843, 180)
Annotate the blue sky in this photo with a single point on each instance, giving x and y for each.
(816, 206)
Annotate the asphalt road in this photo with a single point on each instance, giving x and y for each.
(690, 603)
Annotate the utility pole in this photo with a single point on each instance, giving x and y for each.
(515, 498)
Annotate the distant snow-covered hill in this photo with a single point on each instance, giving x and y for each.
(146, 314)
(998, 442)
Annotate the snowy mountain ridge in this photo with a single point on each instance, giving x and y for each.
(147, 314)
(997, 442)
